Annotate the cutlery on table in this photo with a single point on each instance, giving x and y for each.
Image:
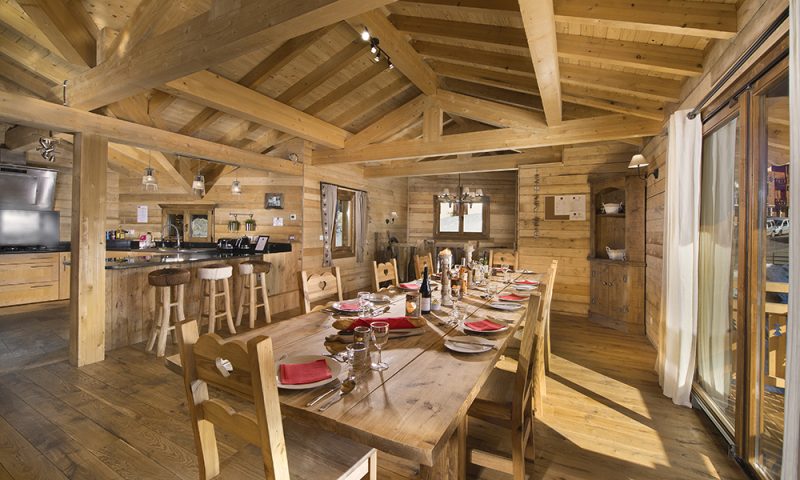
(336, 386)
(480, 344)
(347, 387)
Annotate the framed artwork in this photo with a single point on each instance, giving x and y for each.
(273, 200)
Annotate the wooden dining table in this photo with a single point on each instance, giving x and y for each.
(417, 408)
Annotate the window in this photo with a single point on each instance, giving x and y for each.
(461, 220)
(344, 225)
(195, 222)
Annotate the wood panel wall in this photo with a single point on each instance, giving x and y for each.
(501, 187)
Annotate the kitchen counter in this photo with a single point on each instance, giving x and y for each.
(166, 259)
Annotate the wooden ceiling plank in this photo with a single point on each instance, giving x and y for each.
(643, 86)
(489, 112)
(612, 127)
(508, 81)
(389, 124)
(474, 56)
(396, 45)
(676, 17)
(373, 72)
(204, 41)
(26, 80)
(18, 109)
(540, 30)
(494, 94)
(31, 60)
(373, 101)
(319, 75)
(432, 120)
(64, 28)
(16, 18)
(614, 102)
(222, 94)
(488, 163)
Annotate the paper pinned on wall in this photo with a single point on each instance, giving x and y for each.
(562, 205)
(573, 206)
(141, 214)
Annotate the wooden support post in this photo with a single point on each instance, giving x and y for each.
(432, 121)
(88, 275)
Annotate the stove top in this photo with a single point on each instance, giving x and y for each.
(26, 248)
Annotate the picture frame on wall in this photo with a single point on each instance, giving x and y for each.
(273, 201)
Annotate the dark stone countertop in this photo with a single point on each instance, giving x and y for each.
(161, 259)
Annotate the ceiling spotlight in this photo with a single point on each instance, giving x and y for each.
(365, 35)
(377, 57)
(236, 188)
(390, 64)
(373, 49)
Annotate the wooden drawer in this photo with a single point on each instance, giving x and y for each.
(36, 272)
(28, 293)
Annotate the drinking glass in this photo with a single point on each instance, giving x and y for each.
(380, 336)
(363, 304)
(506, 273)
(492, 289)
(357, 357)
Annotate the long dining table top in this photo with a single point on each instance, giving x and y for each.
(411, 409)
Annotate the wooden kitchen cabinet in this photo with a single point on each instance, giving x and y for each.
(29, 278)
(63, 275)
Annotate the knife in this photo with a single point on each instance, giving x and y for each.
(480, 344)
(335, 388)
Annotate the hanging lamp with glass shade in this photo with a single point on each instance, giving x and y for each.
(199, 185)
(236, 186)
(149, 183)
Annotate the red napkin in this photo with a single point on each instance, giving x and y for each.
(409, 286)
(302, 373)
(484, 325)
(513, 298)
(395, 323)
(349, 306)
(527, 282)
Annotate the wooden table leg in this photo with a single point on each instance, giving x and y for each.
(451, 462)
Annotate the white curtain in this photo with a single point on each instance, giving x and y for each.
(681, 238)
(362, 223)
(791, 438)
(717, 236)
(328, 201)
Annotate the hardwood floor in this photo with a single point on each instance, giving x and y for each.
(605, 418)
(33, 335)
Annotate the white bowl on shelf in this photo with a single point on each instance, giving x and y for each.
(615, 254)
(612, 207)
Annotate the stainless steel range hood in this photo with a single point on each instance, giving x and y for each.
(27, 188)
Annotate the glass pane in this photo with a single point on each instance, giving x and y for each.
(448, 218)
(718, 271)
(343, 219)
(473, 218)
(174, 220)
(774, 238)
(198, 226)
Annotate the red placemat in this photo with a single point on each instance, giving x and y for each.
(348, 306)
(301, 373)
(409, 286)
(395, 323)
(484, 325)
(513, 298)
(527, 282)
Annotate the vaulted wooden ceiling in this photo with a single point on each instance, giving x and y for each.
(476, 81)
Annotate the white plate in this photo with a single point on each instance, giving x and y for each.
(505, 306)
(499, 322)
(525, 288)
(464, 348)
(333, 365)
(378, 298)
(338, 306)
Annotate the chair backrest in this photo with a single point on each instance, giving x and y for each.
(320, 286)
(498, 257)
(529, 354)
(548, 290)
(420, 261)
(385, 272)
(251, 377)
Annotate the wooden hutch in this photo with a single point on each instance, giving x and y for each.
(617, 286)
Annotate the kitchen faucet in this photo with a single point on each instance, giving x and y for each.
(177, 233)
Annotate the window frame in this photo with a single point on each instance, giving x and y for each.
(461, 235)
(345, 251)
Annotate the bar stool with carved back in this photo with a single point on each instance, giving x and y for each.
(500, 257)
(422, 261)
(210, 276)
(320, 286)
(384, 272)
(254, 275)
(165, 280)
(289, 450)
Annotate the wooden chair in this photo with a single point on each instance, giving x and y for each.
(420, 261)
(299, 451)
(320, 286)
(384, 272)
(776, 314)
(510, 408)
(548, 300)
(499, 257)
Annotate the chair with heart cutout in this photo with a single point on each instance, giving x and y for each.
(383, 273)
(320, 286)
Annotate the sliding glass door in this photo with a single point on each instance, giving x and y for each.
(740, 380)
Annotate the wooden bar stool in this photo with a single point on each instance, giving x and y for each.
(254, 274)
(210, 275)
(164, 280)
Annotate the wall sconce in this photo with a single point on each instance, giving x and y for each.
(638, 162)
(391, 218)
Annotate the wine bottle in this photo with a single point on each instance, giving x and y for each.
(425, 292)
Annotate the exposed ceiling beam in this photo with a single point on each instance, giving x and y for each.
(36, 62)
(64, 28)
(487, 163)
(159, 162)
(18, 109)
(678, 17)
(508, 81)
(334, 64)
(396, 45)
(432, 120)
(502, 62)
(612, 127)
(26, 80)
(495, 94)
(207, 40)
(665, 59)
(389, 124)
(14, 17)
(642, 86)
(614, 102)
(358, 81)
(21, 138)
(397, 87)
(222, 94)
(489, 112)
(540, 30)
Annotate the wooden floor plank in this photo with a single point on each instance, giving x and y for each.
(21, 460)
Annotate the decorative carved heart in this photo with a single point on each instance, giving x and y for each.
(322, 284)
(386, 271)
(224, 366)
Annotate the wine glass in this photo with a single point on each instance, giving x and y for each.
(491, 290)
(363, 304)
(380, 336)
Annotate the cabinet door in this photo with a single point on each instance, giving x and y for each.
(200, 226)
(598, 300)
(618, 292)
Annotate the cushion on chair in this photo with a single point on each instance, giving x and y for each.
(217, 271)
(168, 277)
(257, 266)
